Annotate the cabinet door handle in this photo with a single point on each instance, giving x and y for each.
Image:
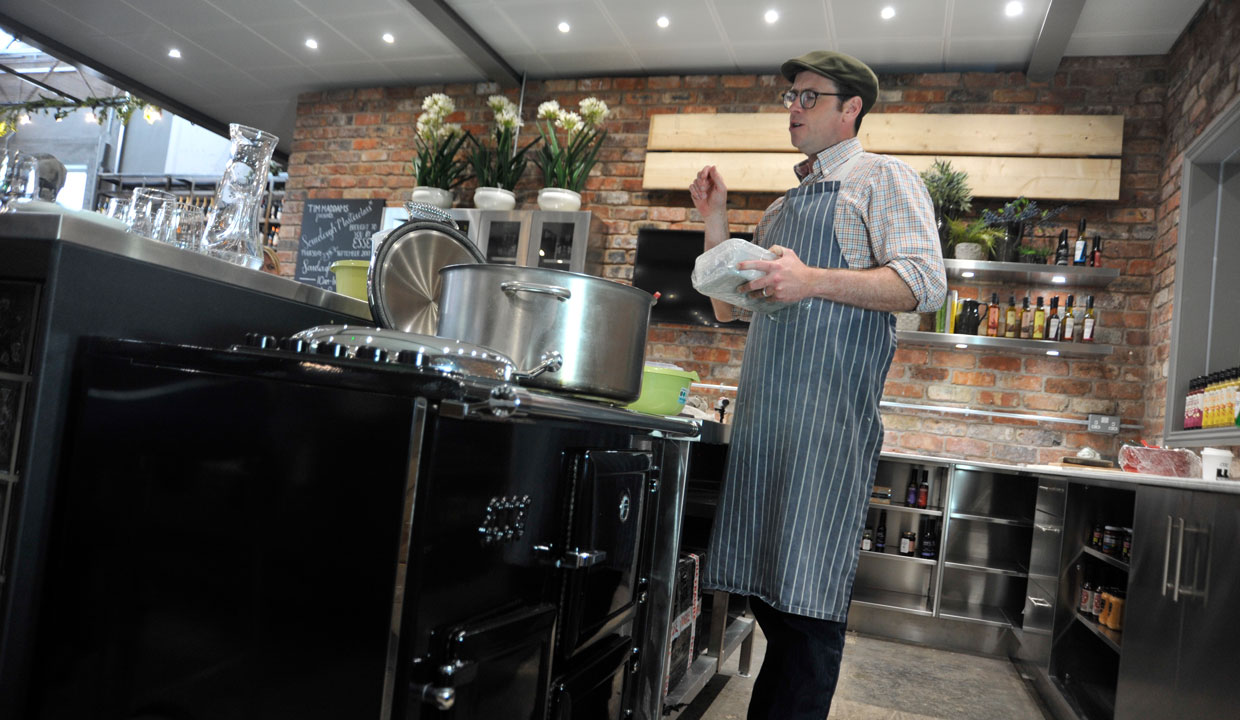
(1047, 528)
(1166, 557)
(1038, 602)
(1179, 560)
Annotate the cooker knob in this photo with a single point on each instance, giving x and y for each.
(293, 344)
(371, 353)
(408, 357)
(331, 349)
(260, 340)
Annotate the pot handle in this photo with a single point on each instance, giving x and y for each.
(512, 287)
(550, 361)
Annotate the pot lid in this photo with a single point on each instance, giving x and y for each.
(425, 352)
(403, 284)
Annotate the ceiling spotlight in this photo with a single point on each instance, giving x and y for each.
(662, 21)
(966, 274)
(771, 16)
(389, 38)
(174, 53)
(563, 26)
(90, 116)
(1013, 8)
(888, 13)
(312, 43)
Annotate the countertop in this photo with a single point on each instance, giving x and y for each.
(1093, 475)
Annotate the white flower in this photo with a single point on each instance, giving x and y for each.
(549, 110)
(428, 127)
(499, 103)
(448, 130)
(593, 111)
(507, 119)
(570, 121)
(439, 105)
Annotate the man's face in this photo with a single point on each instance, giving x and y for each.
(825, 124)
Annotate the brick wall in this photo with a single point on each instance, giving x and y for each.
(358, 143)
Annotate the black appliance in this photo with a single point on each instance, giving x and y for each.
(664, 264)
(266, 533)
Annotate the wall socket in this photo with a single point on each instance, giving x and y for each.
(1104, 423)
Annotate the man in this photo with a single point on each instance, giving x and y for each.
(854, 242)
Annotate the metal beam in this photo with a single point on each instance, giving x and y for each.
(1057, 27)
(468, 41)
(37, 83)
(58, 50)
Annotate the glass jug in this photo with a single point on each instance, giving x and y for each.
(232, 232)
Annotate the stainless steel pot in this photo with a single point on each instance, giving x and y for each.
(597, 326)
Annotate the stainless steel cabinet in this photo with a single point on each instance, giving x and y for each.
(1180, 656)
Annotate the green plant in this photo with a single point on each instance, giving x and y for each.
(975, 231)
(1022, 210)
(438, 144)
(566, 164)
(1037, 252)
(501, 164)
(948, 190)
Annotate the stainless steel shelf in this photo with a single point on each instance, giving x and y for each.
(1113, 562)
(1111, 638)
(995, 566)
(1034, 274)
(888, 600)
(1047, 347)
(896, 556)
(705, 666)
(994, 519)
(933, 512)
(973, 612)
(1201, 438)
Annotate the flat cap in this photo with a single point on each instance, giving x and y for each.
(846, 70)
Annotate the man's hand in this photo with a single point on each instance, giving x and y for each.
(787, 279)
(710, 199)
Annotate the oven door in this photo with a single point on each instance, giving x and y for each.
(594, 689)
(605, 506)
(495, 667)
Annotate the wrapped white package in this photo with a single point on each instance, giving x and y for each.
(715, 274)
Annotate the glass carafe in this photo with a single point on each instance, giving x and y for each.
(232, 232)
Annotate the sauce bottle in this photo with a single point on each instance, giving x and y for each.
(1087, 323)
(923, 491)
(1026, 319)
(1013, 322)
(1039, 321)
(1063, 253)
(1095, 256)
(992, 316)
(1068, 328)
(880, 532)
(1079, 254)
(1053, 320)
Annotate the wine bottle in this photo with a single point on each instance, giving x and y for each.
(1095, 255)
(929, 540)
(923, 491)
(1079, 255)
(910, 494)
(1026, 320)
(992, 316)
(1068, 328)
(1013, 322)
(880, 532)
(1063, 253)
(1039, 321)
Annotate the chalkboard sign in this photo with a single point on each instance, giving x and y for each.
(334, 230)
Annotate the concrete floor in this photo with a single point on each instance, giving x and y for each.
(884, 680)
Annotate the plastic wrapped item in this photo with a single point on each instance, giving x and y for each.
(1169, 462)
(715, 274)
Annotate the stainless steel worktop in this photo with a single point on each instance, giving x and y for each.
(105, 237)
(1095, 476)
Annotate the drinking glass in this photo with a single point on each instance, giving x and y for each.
(117, 209)
(191, 221)
(152, 214)
(19, 179)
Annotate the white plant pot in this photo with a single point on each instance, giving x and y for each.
(558, 199)
(494, 198)
(970, 251)
(438, 197)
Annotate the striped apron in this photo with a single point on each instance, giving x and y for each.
(807, 433)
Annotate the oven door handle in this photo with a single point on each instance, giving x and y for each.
(575, 559)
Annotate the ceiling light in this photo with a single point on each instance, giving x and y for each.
(771, 16)
(23, 118)
(312, 43)
(90, 116)
(888, 13)
(662, 21)
(174, 53)
(389, 38)
(563, 26)
(961, 346)
(1013, 8)
(966, 274)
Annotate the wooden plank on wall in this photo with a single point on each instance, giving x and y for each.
(904, 133)
(989, 177)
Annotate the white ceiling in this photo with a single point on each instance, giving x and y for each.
(246, 60)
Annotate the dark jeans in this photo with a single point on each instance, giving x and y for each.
(801, 665)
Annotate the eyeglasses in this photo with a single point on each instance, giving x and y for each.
(809, 98)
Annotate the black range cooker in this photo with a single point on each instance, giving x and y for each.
(293, 529)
